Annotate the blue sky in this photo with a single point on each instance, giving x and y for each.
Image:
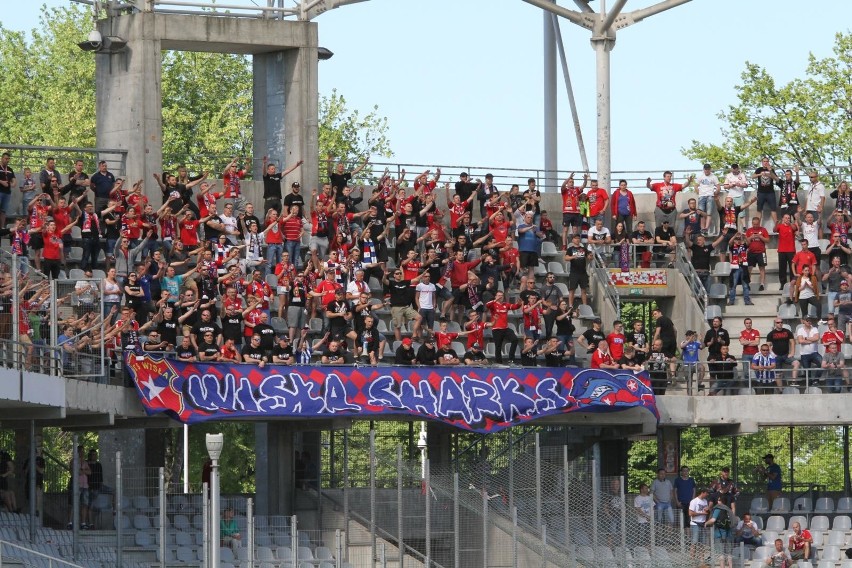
(461, 80)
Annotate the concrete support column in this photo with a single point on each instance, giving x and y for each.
(439, 442)
(129, 107)
(668, 450)
(274, 468)
(285, 109)
(131, 444)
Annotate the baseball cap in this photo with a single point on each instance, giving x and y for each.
(597, 320)
(769, 457)
(476, 345)
(706, 166)
(463, 174)
(295, 184)
(429, 339)
(407, 342)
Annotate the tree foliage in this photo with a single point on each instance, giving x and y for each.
(807, 121)
(48, 95)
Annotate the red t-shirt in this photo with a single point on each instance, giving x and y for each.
(835, 337)
(52, 246)
(786, 237)
(443, 339)
(292, 229)
(599, 357)
(412, 270)
(597, 201)
(749, 335)
(666, 194)
(232, 183)
(274, 236)
(477, 334)
(756, 246)
(500, 230)
(206, 201)
(229, 353)
(189, 232)
(500, 313)
(62, 217)
(509, 256)
(571, 199)
(616, 345)
(804, 258)
(327, 289)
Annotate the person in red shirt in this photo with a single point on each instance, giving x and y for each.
(207, 198)
(571, 216)
(615, 340)
(597, 197)
(228, 352)
(832, 334)
(500, 326)
(457, 270)
(231, 180)
(800, 543)
(786, 231)
(499, 226)
(756, 238)
(602, 358)
(52, 254)
(445, 338)
(750, 340)
(803, 258)
(476, 329)
(666, 192)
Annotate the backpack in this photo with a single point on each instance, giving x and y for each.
(723, 521)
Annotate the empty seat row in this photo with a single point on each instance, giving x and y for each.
(760, 506)
(817, 522)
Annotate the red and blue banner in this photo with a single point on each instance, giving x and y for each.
(476, 399)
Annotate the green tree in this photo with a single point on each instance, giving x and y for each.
(806, 121)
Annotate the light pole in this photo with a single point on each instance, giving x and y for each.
(214, 450)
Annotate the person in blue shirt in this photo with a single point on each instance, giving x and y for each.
(684, 487)
(772, 474)
(690, 349)
(529, 245)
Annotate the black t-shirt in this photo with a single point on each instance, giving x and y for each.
(642, 237)
(282, 352)
(701, 256)
(593, 337)
(338, 307)
(722, 367)
(401, 293)
(232, 327)
(534, 208)
(199, 328)
(780, 340)
(186, 352)
(474, 356)
(272, 185)
(404, 356)
(211, 233)
(208, 349)
(637, 339)
(295, 199)
(267, 336)
(168, 329)
(340, 180)
(369, 339)
(564, 326)
(7, 174)
(664, 234)
(336, 356)
(765, 183)
(667, 330)
(530, 358)
(721, 336)
(555, 358)
(465, 189)
(427, 355)
(447, 354)
(254, 354)
(577, 258)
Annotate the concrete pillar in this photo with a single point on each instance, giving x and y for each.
(668, 450)
(274, 468)
(129, 98)
(285, 110)
(439, 442)
(131, 444)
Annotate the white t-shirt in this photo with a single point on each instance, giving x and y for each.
(426, 295)
(706, 184)
(815, 195)
(646, 504)
(810, 231)
(735, 190)
(807, 348)
(230, 225)
(356, 287)
(596, 237)
(698, 505)
(748, 530)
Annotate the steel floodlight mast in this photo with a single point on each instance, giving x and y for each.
(603, 26)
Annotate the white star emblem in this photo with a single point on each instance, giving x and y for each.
(153, 390)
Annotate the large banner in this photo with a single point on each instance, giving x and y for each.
(476, 399)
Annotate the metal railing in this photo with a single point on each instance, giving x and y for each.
(34, 157)
(699, 292)
(599, 267)
(12, 552)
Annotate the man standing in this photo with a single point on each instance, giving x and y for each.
(725, 489)
(708, 189)
(772, 473)
(766, 180)
(339, 178)
(815, 196)
(101, 184)
(684, 487)
(465, 189)
(698, 510)
(272, 185)
(783, 346)
(736, 184)
(756, 238)
(786, 231)
(664, 493)
(577, 255)
(666, 192)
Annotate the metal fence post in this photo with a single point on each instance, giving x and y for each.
(16, 313)
(373, 550)
(338, 548)
(682, 532)
(205, 514)
(537, 481)
(567, 503)
(75, 488)
(250, 530)
(515, 537)
(456, 527)
(294, 539)
(399, 517)
(162, 516)
(427, 466)
(119, 518)
(511, 469)
(383, 559)
(484, 528)
(346, 492)
(622, 500)
(32, 491)
(596, 486)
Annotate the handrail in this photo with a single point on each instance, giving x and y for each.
(384, 534)
(28, 551)
(610, 291)
(685, 267)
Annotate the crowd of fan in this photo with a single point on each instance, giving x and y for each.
(209, 278)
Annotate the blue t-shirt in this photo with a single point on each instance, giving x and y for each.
(690, 352)
(685, 488)
(528, 241)
(774, 484)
